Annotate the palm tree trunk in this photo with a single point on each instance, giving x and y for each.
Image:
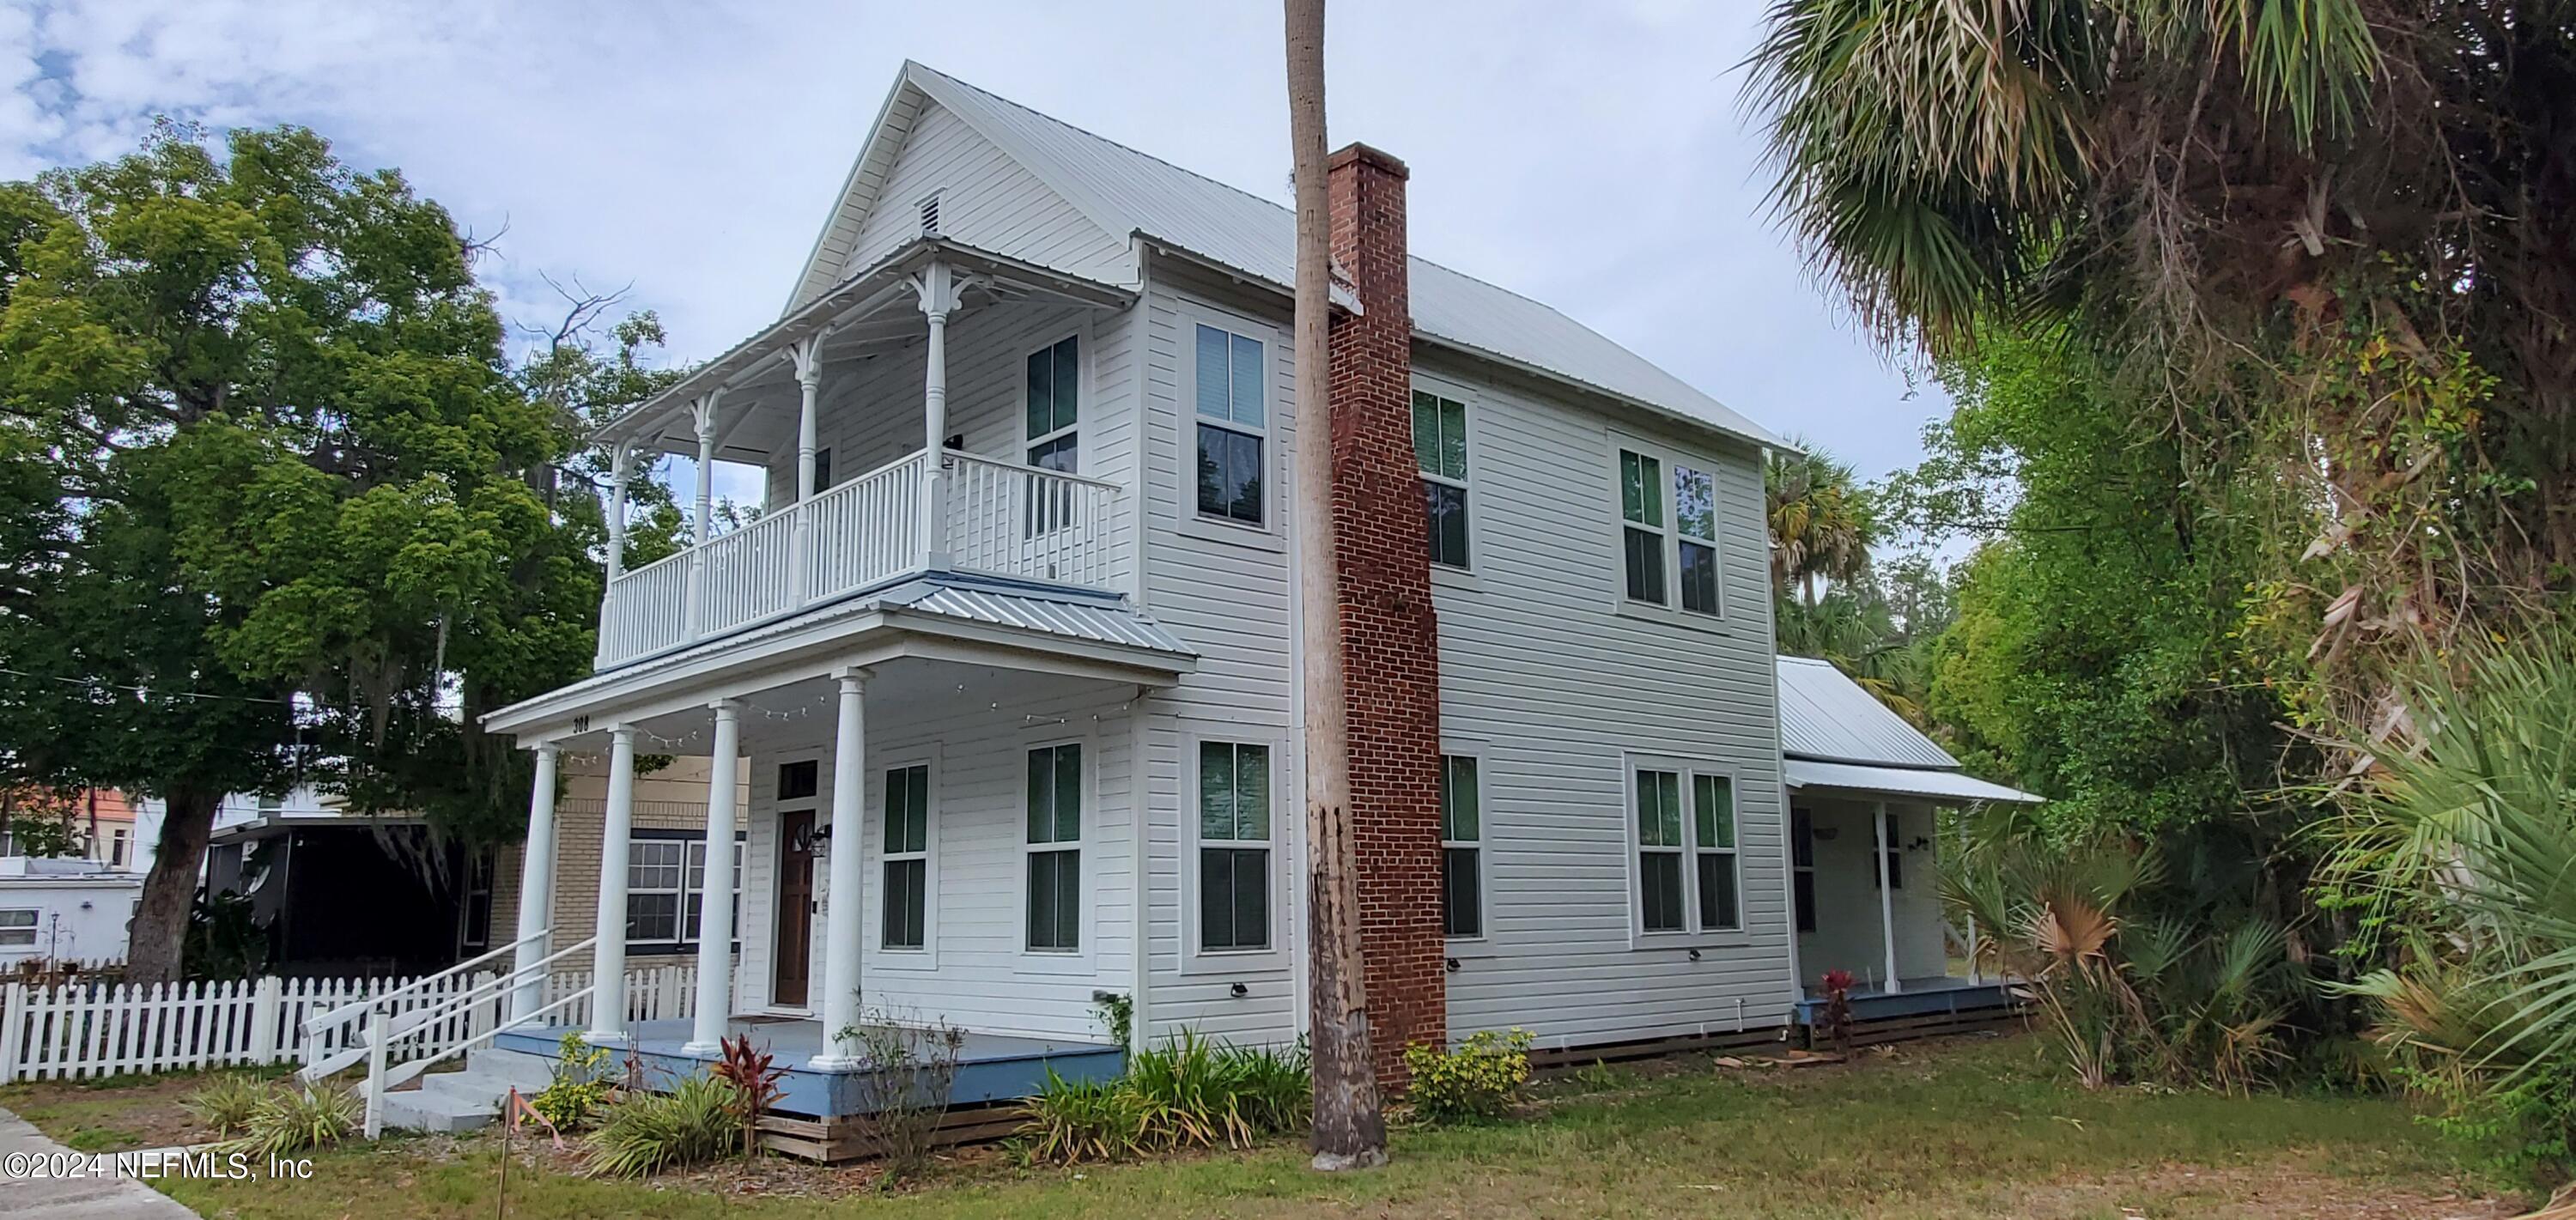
(1350, 1131)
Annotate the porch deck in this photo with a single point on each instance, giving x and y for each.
(990, 1067)
(1913, 997)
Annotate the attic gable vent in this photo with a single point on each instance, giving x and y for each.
(930, 215)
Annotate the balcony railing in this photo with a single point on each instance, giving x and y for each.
(994, 517)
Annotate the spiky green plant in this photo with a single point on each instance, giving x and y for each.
(227, 1103)
(291, 1120)
(692, 1124)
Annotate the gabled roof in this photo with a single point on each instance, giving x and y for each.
(1835, 735)
(1128, 192)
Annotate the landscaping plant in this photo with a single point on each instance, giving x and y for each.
(1074, 1122)
(1190, 1092)
(580, 1085)
(907, 1073)
(292, 1120)
(1838, 1014)
(1481, 1079)
(754, 1076)
(647, 1132)
(227, 1103)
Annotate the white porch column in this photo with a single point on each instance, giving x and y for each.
(807, 355)
(715, 910)
(608, 957)
(1886, 895)
(702, 414)
(618, 458)
(842, 905)
(536, 889)
(938, 288)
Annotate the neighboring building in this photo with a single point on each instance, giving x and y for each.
(1036, 705)
(100, 821)
(235, 810)
(64, 910)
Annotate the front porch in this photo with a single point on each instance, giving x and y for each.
(1913, 997)
(990, 1067)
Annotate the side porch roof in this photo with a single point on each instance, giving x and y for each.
(1835, 735)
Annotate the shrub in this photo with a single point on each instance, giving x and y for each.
(1074, 1122)
(648, 1132)
(580, 1085)
(292, 1120)
(1274, 1090)
(753, 1073)
(1190, 1092)
(1480, 1079)
(907, 1072)
(227, 1103)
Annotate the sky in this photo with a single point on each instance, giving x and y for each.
(1595, 157)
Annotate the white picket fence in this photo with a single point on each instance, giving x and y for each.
(82, 1030)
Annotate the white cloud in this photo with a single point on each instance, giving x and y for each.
(1595, 158)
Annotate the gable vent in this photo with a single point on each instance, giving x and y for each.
(930, 215)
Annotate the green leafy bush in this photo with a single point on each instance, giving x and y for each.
(1072, 1122)
(1190, 1092)
(580, 1085)
(292, 1120)
(645, 1133)
(227, 1103)
(1480, 1079)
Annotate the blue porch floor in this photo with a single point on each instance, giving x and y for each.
(990, 1067)
(1913, 998)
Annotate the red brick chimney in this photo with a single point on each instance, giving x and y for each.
(1390, 647)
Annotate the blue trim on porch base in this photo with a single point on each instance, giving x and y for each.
(1960, 996)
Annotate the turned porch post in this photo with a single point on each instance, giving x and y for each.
(608, 956)
(715, 907)
(702, 414)
(842, 904)
(618, 460)
(536, 889)
(938, 287)
(807, 355)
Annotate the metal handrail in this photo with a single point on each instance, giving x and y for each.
(381, 1081)
(492, 987)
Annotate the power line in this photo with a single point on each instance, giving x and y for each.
(145, 691)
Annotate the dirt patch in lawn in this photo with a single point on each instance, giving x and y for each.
(2289, 1189)
(114, 1114)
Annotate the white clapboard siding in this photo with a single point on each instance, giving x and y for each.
(83, 1031)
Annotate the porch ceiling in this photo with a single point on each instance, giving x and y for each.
(868, 315)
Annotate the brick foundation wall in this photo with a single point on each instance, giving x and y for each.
(1390, 648)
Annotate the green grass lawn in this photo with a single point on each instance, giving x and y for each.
(118, 1113)
(1975, 1128)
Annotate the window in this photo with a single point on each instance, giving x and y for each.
(1802, 867)
(1054, 393)
(1641, 534)
(692, 912)
(1440, 451)
(822, 470)
(1687, 876)
(1895, 855)
(907, 857)
(1713, 834)
(1232, 425)
(477, 912)
(1054, 850)
(1234, 846)
(117, 845)
(18, 928)
(799, 781)
(1668, 558)
(656, 870)
(1462, 836)
(1695, 538)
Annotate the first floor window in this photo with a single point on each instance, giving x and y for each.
(1055, 848)
(666, 884)
(907, 857)
(18, 927)
(1234, 846)
(477, 911)
(1462, 839)
(1687, 874)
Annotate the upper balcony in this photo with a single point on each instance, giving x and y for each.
(972, 514)
(879, 344)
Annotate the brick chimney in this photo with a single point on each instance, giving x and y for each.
(1390, 647)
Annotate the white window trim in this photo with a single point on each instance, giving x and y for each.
(1081, 336)
(1690, 935)
(1196, 959)
(679, 891)
(1277, 405)
(1467, 397)
(1669, 460)
(1484, 843)
(1057, 961)
(878, 953)
(35, 925)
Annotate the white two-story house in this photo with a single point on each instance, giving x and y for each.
(1011, 662)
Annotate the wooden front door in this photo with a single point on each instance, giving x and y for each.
(795, 908)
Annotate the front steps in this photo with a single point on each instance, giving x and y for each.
(471, 1099)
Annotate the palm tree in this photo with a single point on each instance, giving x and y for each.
(1821, 523)
(1350, 1129)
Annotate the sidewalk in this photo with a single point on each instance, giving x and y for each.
(85, 1197)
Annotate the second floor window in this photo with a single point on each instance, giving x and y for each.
(1668, 533)
(1233, 426)
(1641, 532)
(1055, 848)
(1440, 451)
(1055, 401)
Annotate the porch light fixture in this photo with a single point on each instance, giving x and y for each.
(1826, 833)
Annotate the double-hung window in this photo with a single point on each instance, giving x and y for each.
(1055, 406)
(1234, 846)
(692, 909)
(1687, 865)
(1440, 452)
(1233, 423)
(904, 920)
(1668, 532)
(1802, 868)
(18, 928)
(1055, 848)
(656, 884)
(1462, 843)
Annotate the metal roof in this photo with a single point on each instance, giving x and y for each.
(1898, 781)
(1824, 715)
(1125, 191)
(1042, 611)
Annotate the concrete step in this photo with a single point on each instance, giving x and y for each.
(470, 1099)
(423, 1110)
